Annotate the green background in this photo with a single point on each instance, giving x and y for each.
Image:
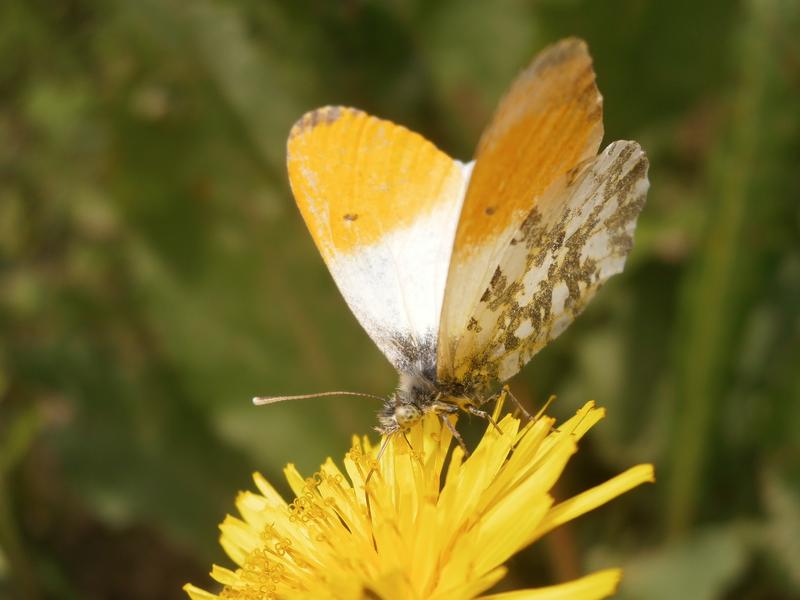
(155, 274)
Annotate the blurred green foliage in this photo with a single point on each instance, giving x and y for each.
(154, 275)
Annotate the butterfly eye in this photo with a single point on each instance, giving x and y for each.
(406, 415)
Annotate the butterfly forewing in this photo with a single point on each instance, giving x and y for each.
(382, 204)
(550, 120)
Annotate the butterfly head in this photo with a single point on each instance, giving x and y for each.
(413, 399)
(406, 415)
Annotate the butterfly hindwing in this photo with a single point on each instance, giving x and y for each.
(382, 205)
(577, 235)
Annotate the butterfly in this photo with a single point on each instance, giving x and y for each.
(461, 272)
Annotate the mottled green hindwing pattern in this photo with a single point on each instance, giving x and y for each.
(577, 236)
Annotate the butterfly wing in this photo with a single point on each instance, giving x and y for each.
(577, 235)
(549, 121)
(382, 205)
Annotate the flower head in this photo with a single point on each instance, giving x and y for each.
(421, 535)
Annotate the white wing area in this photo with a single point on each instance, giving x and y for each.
(395, 286)
(577, 236)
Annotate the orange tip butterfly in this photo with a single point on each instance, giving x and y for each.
(461, 272)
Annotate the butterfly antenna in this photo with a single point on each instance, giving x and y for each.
(262, 400)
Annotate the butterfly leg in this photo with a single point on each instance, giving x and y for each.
(525, 413)
(455, 433)
(373, 468)
(483, 415)
(443, 409)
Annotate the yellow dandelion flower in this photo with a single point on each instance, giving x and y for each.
(419, 537)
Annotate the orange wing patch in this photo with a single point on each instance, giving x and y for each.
(356, 178)
(550, 120)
